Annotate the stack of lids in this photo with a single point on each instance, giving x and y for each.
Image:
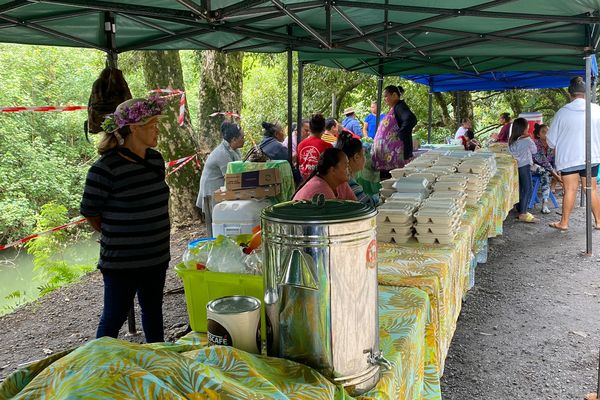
(395, 221)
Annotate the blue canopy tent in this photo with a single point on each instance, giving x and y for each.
(503, 80)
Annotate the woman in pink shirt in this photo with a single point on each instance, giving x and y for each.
(330, 178)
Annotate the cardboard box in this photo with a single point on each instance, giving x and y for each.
(260, 192)
(252, 179)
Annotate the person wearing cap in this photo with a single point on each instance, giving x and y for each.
(567, 137)
(215, 167)
(393, 143)
(126, 199)
(351, 123)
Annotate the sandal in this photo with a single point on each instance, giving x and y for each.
(558, 227)
(529, 218)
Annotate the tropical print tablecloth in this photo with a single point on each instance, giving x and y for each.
(110, 368)
(420, 296)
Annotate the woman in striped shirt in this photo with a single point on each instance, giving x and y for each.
(356, 162)
(126, 199)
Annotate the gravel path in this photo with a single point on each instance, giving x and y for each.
(528, 329)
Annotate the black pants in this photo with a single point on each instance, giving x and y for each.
(120, 287)
(525, 189)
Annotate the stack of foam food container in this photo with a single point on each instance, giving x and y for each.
(395, 221)
(477, 171)
(395, 218)
(438, 218)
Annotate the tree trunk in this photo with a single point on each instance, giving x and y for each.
(162, 70)
(445, 114)
(514, 99)
(339, 96)
(220, 90)
(463, 103)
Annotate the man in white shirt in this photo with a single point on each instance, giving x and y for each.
(465, 125)
(567, 136)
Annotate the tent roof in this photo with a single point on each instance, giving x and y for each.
(374, 36)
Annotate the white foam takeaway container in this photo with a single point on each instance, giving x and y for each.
(237, 217)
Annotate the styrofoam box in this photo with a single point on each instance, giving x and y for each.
(388, 183)
(393, 238)
(237, 217)
(394, 229)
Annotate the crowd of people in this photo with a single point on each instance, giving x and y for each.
(126, 198)
(329, 155)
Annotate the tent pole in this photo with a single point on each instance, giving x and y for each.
(430, 116)
(379, 97)
(300, 95)
(290, 118)
(588, 154)
(111, 41)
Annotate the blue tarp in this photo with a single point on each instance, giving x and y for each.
(503, 80)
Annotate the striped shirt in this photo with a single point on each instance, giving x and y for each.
(133, 202)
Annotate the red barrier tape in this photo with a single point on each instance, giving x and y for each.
(36, 235)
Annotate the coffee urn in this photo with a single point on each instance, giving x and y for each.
(320, 272)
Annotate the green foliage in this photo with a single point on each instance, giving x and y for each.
(48, 250)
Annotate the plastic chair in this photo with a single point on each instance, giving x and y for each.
(536, 180)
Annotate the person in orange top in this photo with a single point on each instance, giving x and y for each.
(329, 178)
(311, 148)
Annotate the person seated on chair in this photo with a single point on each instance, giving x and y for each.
(469, 141)
(329, 178)
(543, 164)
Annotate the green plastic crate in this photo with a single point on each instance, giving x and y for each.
(203, 286)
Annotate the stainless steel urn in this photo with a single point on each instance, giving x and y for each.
(320, 271)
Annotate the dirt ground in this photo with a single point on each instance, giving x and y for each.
(528, 329)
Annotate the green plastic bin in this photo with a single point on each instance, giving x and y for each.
(202, 286)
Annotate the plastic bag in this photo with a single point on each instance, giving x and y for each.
(197, 252)
(226, 256)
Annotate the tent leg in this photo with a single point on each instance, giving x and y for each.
(110, 30)
(300, 95)
(430, 116)
(290, 118)
(588, 155)
(379, 97)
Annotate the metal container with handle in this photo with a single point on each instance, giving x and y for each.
(320, 271)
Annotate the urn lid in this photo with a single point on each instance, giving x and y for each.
(318, 210)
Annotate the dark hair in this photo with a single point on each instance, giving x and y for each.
(519, 126)
(317, 123)
(349, 144)
(505, 116)
(330, 123)
(391, 89)
(464, 120)
(328, 159)
(270, 130)
(470, 134)
(230, 131)
(576, 85)
(537, 128)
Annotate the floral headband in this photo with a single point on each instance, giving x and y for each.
(133, 112)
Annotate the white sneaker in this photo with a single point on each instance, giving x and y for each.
(545, 209)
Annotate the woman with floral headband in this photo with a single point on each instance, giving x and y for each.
(126, 199)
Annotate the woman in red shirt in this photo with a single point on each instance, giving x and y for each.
(311, 148)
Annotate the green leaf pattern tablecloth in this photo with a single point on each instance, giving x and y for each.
(420, 295)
